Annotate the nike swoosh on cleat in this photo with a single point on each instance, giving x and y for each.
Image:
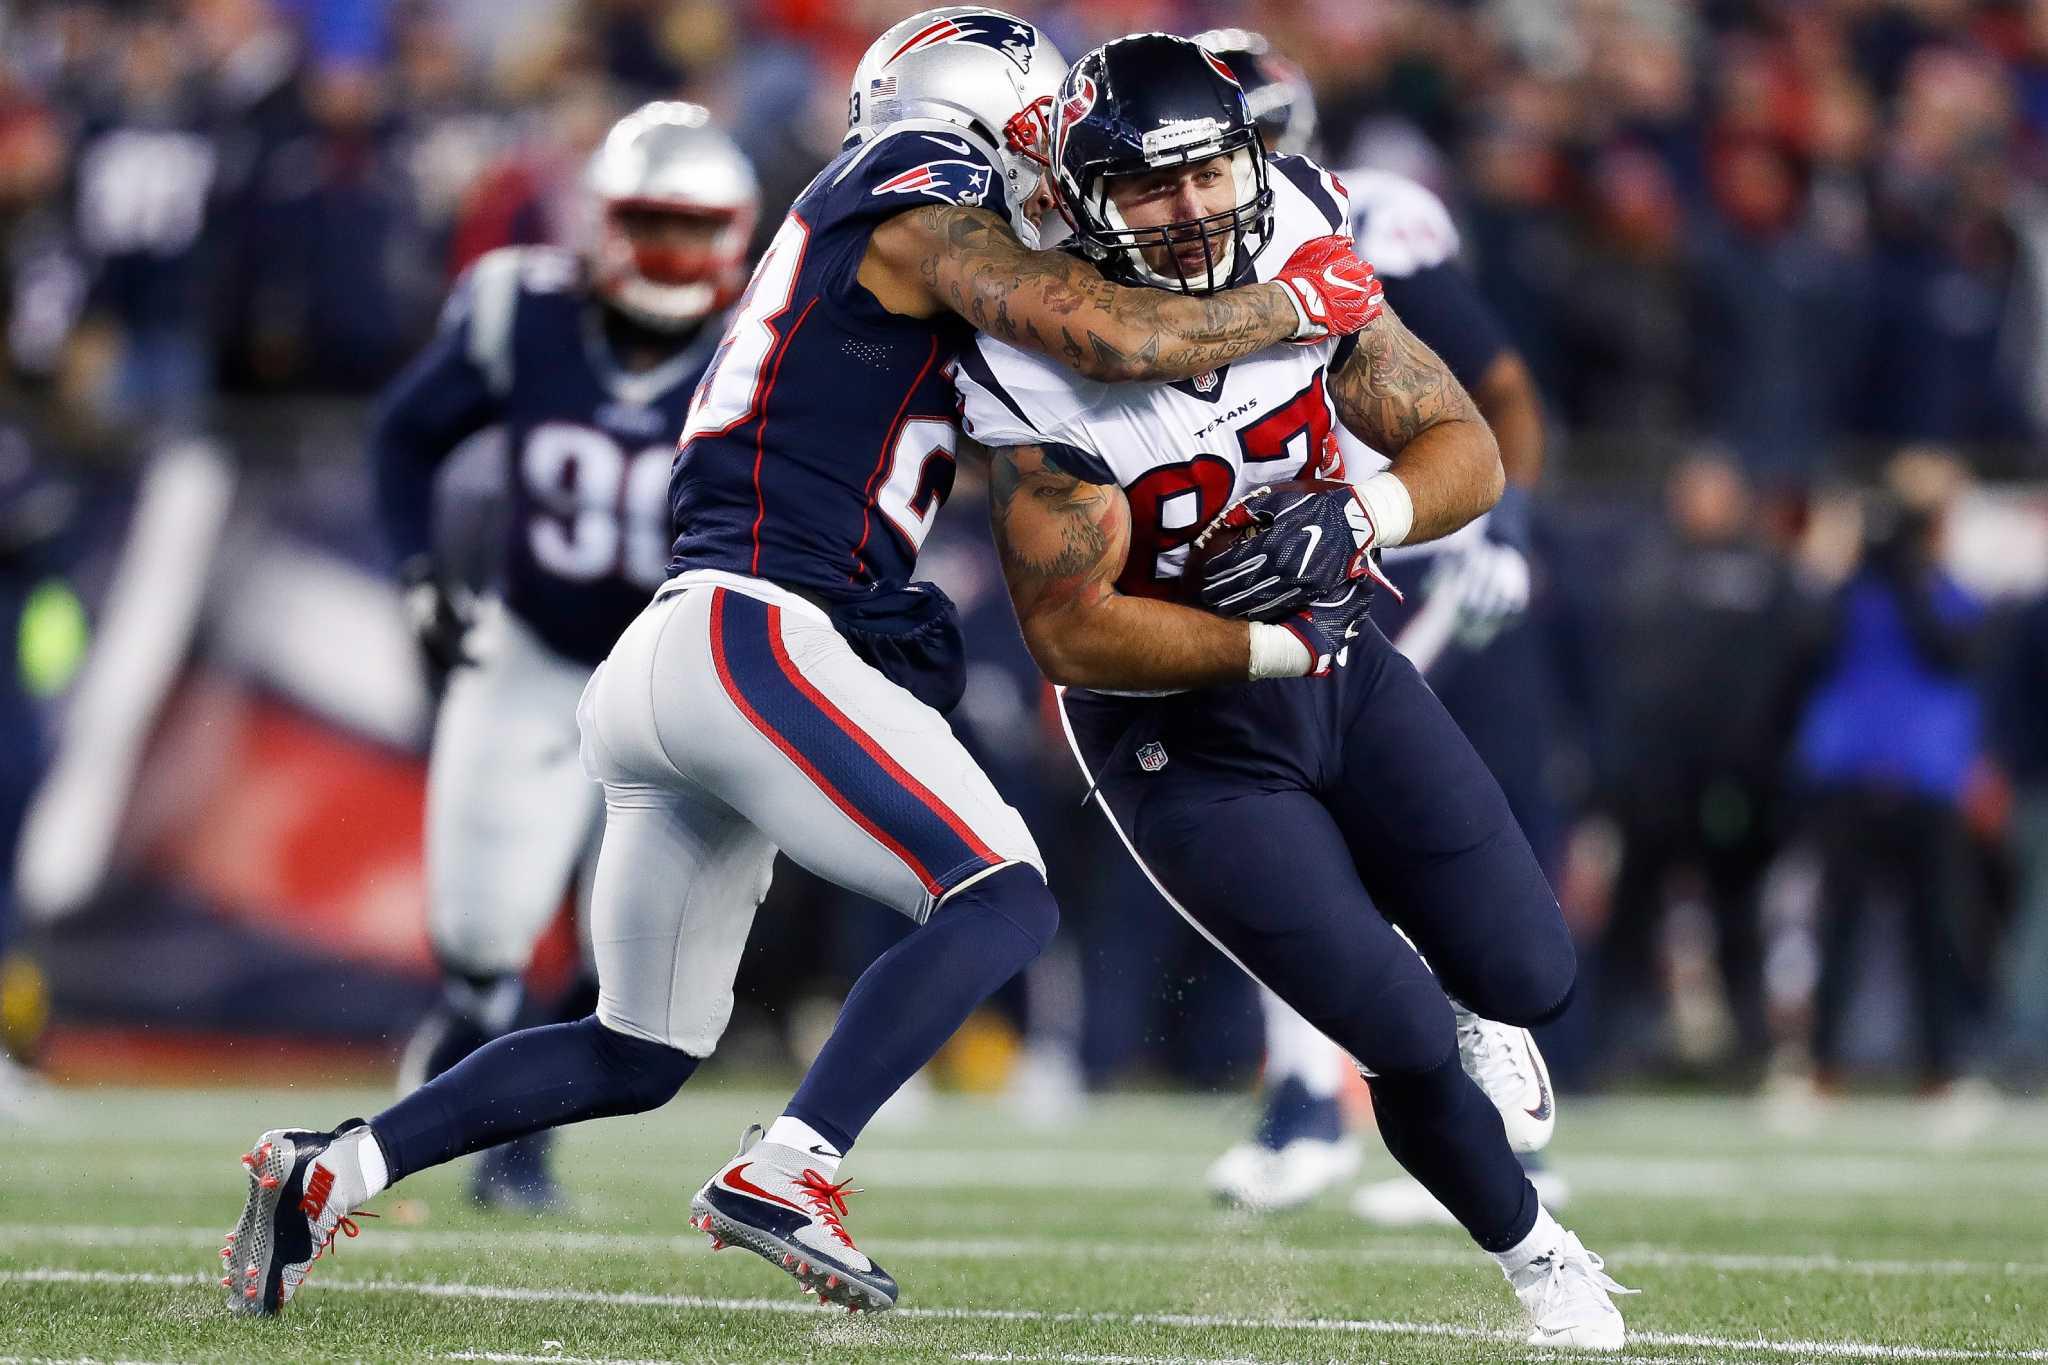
(817, 1150)
(739, 1184)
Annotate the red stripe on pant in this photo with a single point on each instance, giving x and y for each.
(818, 779)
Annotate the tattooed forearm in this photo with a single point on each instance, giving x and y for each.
(1062, 307)
(1398, 397)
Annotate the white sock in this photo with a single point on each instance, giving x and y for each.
(1541, 1239)
(1295, 1048)
(370, 1158)
(794, 1132)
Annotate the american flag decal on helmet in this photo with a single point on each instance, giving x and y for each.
(1013, 38)
(956, 182)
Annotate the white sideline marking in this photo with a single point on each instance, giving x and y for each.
(1380, 1251)
(1831, 1350)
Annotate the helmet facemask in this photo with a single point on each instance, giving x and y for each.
(1230, 236)
(666, 285)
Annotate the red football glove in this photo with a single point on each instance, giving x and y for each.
(1334, 292)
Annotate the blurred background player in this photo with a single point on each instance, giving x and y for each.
(1300, 1147)
(586, 363)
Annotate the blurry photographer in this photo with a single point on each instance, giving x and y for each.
(1711, 635)
(1888, 745)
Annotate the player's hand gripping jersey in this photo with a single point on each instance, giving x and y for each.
(1182, 452)
(588, 445)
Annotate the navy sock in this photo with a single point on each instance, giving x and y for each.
(915, 996)
(1444, 1131)
(1292, 1113)
(526, 1081)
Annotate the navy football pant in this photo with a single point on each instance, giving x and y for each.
(1296, 823)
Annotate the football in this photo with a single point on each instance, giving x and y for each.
(1239, 520)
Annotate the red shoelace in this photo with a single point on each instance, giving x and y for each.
(347, 1225)
(828, 1201)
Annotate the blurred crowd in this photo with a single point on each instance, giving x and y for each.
(1752, 250)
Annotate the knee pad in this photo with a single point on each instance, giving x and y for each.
(1405, 1031)
(648, 1075)
(1019, 894)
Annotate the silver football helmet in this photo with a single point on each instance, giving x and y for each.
(988, 73)
(669, 158)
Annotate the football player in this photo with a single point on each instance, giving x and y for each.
(1286, 779)
(1482, 574)
(587, 362)
(785, 688)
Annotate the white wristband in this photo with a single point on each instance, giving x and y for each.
(1306, 328)
(1278, 652)
(1392, 510)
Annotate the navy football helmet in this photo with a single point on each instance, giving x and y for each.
(1145, 103)
(1278, 93)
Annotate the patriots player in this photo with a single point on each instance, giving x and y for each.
(1286, 779)
(785, 688)
(1481, 575)
(587, 363)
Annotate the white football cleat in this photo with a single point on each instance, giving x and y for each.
(1402, 1202)
(1565, 1292)
(771, 1200)
(1257, 1178)
(1506, 1064)
(303, 1187)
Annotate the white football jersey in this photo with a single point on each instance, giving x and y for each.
(1184, 451)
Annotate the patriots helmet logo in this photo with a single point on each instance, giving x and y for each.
(956, 182)
(1012, 37)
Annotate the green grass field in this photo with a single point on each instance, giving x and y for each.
(1865, 1238)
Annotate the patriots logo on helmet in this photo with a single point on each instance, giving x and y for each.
(1011, 37)
(956, 182)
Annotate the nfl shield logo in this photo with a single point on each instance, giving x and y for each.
(1205, 382)
(1152, 756)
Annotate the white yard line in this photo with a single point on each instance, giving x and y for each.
(1378, 1251)
(1812, 1349)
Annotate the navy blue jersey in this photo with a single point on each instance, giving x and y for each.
(588, 444)
(820, 446)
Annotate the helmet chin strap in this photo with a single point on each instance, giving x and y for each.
(1219, 270)
(662, 307)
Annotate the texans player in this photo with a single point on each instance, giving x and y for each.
(785, 688)
(1482, 574)
(1286, 779)
(587, 362)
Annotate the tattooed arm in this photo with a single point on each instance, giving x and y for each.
(930, 260)
(1396, 396)
(1062, 542)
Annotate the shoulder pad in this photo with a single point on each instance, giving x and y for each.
(1400, 226)
(1312, 183)
(487, 297)
(912, 163)
(1010, 396)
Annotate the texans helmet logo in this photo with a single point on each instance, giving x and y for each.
(1011, 37)
(1076, 106)
(956, 182)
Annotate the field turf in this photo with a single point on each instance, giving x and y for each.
(1870, 1235)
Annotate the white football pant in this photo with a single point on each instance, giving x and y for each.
(511, 815)
(730, 721)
